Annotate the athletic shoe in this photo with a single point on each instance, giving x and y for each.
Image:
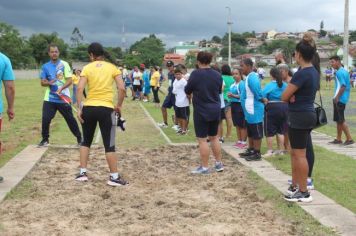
(269, 153)
(117, 182)
(310, 183)
(348, 142)
(176, 127)
(1, 179)
(43, 143)
(291, 190)
(237, 145)
(200, 170)
(145, 100)
(82, 177)
(335, 141)
(247, 152)
(162, 125)
(243, 145)
(255, 157)
(219, 167)
(298, 196)
(221, 140)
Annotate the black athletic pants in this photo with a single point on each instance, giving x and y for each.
(50, 109)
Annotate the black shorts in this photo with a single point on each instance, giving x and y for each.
(204, 128)
(339, 110)
(298, 138)
(105, 116)
(237, 113)
(182, 112)
(222, 114)
(275, 119)
(255, 131)
(137, 88)
(169, 101)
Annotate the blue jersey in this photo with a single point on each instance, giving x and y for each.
(6, 73)
(253, 107)
(342, 79)
(272, 92)
(234, 89)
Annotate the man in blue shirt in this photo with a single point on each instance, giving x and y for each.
(252, 100)
(341, 97)
(56, 75)
(7, 78)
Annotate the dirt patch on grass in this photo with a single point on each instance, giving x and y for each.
(162, 198)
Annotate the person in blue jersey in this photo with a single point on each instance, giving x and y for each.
(300, 94)
(56, 75)
(205, 85)
(253, 110)
(146, 82)
(341, 98)
(275, 112)
(7, 79)
(329, 73)
(237, 114)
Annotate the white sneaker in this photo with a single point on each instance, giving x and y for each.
(162, 125)
(269, 153)
(176, 127)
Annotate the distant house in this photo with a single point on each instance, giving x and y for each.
(253, 43)
(184, 49)
(326, 51)
(271, 34)
(176, 58)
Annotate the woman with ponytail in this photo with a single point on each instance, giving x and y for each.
(300, 94)
(276, 112)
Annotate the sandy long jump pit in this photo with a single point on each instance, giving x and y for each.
(162, 198)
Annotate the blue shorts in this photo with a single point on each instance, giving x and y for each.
(275, 119)
(237, 113)
(169, 101)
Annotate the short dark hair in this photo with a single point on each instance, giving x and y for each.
(178, 70)
(204, 57)
(226, 69)
(52, 45)
(96, 49)
(247, 62)
(306, 47)
(335, 57)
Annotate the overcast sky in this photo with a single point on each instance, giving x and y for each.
(172, 21)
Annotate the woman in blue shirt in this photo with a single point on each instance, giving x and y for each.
(275, 112)
(238, 117)
(300, 94)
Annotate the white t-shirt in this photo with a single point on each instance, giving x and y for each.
(186, 76)
(178, 90)
(137, 77)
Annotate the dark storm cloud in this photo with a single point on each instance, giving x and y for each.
(172, 21)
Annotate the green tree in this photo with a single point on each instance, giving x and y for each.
(236, 50)
(39, 44)
(115, 53)
(337, 39)
(77, 38)
(216, 39)
(287, 46)
(190, 60)
(132, 60)
(352, 36)
(79, 53)
(149, 50)
(322, 32)
(15, 46)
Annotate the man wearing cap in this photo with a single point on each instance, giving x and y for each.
(7, 78)
(169, 101)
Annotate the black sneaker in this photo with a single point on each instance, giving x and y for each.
(254, 157)
(221, 140)
(1, 179)
(43, 143)
(291, 190)
(335, 141)
(247, 152)
(348, 142)
(117, 182)
(82, 177)
(299, 196)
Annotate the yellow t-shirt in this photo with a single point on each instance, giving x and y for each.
(155, 79)
(100, 78)
(75, 79)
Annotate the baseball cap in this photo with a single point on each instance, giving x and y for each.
(142, 66)
(169, 63)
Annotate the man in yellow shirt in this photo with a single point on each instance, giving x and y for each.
(75, 81)
(98, 107)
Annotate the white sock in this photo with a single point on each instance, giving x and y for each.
(114, 175)
(82, 170)
(243, 142)
(204, 168)
(239, 141)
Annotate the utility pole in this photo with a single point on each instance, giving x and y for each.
(229, 23)
(346, 36)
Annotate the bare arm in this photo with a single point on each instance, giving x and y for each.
(80, 89)
(66, 85)
(121, 92)
(288, 94)
(338, 95)
(46, 83)
(10, 97)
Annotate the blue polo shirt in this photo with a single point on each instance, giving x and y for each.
(234, 89)
(273, 92)
(342, 79)
(6, 73)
